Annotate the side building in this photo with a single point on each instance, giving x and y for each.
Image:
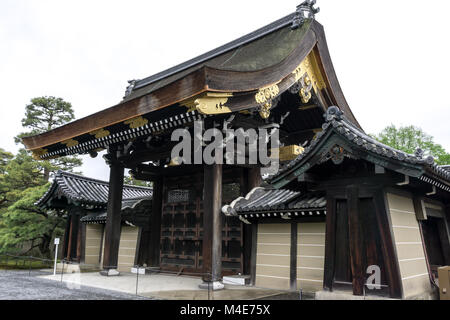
(85, 202)
(348, 208)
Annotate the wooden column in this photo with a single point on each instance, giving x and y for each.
(330, 244)
(212, 223)
(66, 237)
(387, 245)
(293, 274)
(70, 237)
(253, 254)
(79, 240)
(252, 180)
(113, 220)
(155, 224)
(444, 236)
(355, 241)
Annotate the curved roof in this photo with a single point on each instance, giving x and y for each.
(269, 56)
(264, 199)
(87, 191)
(345, 133)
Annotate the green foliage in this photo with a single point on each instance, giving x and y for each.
(44, 114)
(23, 181)
(133, 182)
(409, 138)
(25, 222)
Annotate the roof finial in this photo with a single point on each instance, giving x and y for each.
(131, 85)
(304, 11)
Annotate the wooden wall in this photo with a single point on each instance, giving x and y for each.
(274, 261)
(408, 242)
(273, 258)
(93, 249)
(127, 248)
(310, 256)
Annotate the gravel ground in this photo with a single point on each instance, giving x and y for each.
(19, 285)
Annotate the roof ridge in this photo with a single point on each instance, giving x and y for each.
(61, 173)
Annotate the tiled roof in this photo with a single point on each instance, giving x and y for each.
(77, 188)
(275, 200)
(128, 206)
(336, 122)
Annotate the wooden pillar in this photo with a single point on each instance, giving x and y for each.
(355, 241)
(66, 237)
(293, 266)
(330, 244)
(70, 237)
(212, 223)
(155, 224)
(113, 220)
(81, 241)
(253, 254)
(444, 235)
(252, 180)
(387, 245)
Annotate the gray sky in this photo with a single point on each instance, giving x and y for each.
(391, 57)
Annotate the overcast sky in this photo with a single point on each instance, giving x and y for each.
(391, 57)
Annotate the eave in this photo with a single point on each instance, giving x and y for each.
(239, 87)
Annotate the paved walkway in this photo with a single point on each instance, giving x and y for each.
(162, 286)
(19, 285)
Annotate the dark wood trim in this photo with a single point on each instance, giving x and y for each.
(252, 178)
(330, 243)
(212, 223)
(254, 253)
(293, 265)
(69, 244)
(66, 236)
(81, 240)
(388, 248)
(154, 247)
(138, 247)
(202, 80)
(444, 237)
(355, 241)
(114, 219)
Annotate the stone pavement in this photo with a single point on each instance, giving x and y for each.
(19, 285)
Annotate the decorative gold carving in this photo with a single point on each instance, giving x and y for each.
(38, 153)
(310, 67)
(264, 112)
(209, 103)
(136, 122)
(100, 133)
(264, 99)
(266, 94)
(70, 143)
(305, 91)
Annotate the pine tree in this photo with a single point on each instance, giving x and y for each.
(44, 114)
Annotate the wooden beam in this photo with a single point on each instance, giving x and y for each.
(66, 237)
(444, 237)
(388, 248)
(113, 220)
(212, 223)
(253, 254)
(155, 224)
(252, 179)
(80, 240)
(355, 241)
(293, 263)
(70, 237)
(330, 244)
